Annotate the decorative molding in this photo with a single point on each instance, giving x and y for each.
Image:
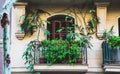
(20, 4)
(102, 4)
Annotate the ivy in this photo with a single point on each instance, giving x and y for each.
(28, 54)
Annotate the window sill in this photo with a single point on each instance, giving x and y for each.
(111, 68)
(62, 68)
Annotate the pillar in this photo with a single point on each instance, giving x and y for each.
(101, 8)
(17, 11)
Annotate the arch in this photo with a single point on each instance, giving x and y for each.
(60, 16)
(70, 15)
(58, 22)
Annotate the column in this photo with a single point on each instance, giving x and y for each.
(101, 8)
(17, 11)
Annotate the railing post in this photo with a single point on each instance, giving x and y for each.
(84, 55)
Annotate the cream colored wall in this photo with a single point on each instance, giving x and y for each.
(18, 46)
(112, 17)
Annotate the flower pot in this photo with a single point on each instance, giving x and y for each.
(20, 35)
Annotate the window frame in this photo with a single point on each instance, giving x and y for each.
(55, 19)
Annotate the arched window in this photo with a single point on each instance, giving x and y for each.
(59, 22)
(119, 26)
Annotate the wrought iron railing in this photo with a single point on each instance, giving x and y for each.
(111, 55)
(39, 58)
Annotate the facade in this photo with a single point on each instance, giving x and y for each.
(55, 11)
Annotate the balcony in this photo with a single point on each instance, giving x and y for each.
(111, 58)
(40, 63)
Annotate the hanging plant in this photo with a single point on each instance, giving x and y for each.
(28, 54)
(32, 22)
(29, 23)
(92, 23)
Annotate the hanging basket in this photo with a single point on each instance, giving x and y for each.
(20, 35)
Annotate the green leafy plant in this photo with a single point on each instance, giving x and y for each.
(114, 41)
(60, 51)
(32, 22)
(92, 23)
(28, 54)
(53, 50)
(85, 41)
(107, 34)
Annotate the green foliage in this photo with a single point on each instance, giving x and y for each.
(85, 41)
(29, 23)
(92, 23)
(65, 51)
(46, 32)
(32, 22)
(114, 41)
(60, 51)
(107, 34)
(37, 73)
(68, 18)
(28, 54)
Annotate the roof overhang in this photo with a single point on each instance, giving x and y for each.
(55, 2)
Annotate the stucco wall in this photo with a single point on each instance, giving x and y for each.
(112, 17)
